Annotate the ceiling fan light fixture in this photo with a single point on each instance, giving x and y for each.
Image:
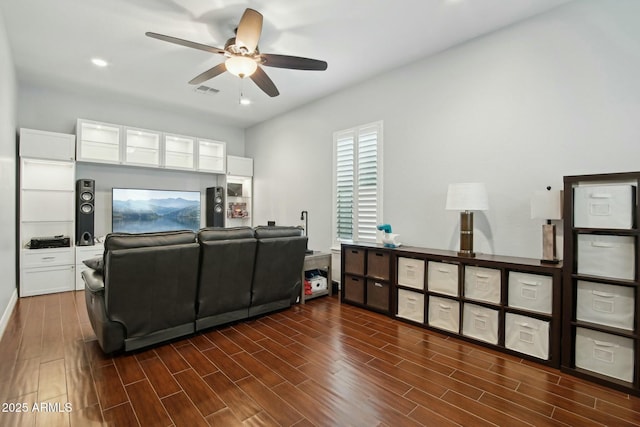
(241, 66)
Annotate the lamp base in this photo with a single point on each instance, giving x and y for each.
(466, 235)
(549, 244)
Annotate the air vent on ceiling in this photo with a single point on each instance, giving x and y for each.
(206, 90)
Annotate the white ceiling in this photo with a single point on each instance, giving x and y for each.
(53, 42)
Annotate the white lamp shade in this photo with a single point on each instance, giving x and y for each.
(546, 204)
(470, 196)
(241, 66)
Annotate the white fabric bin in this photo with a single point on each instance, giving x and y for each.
(411, 305)
(482, 284)
(606, 354)
(480, 323)
(527, 335)
(444, 313)
(411, 273)
(606, 256)
(605, 206)
(442, 278)
(605, 304)
(532, 292)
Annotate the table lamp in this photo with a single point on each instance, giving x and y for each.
(547, 205)
(467, 197)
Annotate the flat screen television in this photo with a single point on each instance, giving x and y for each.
(142, 211)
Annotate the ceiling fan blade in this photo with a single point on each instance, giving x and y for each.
(186, 43)
(209, 74)
(249, 30)
(263, 81)
(292, 62)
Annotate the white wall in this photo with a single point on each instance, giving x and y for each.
(517, 109)
(56, 110)
(8, 89)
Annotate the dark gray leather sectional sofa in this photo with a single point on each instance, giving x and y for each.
(159, 286)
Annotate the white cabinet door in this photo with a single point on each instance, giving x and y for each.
(212, 156)
(38, 144)
(239, 166)
(47, 280)
(98, 142)
(142, 147)
(179, 152)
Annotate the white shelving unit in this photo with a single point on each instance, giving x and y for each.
(47, 208)
(142, 147)
(179, 152)
(211, 156)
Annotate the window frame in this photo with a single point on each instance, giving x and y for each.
(357, 132)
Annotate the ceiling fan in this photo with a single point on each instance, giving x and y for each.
(243, 57)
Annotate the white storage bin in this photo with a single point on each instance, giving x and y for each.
(527, 335)
(444, 313)
(442, 278)
(411, 305)
(606, 354)
(532, 292)
(606, 206)
(480, 323)
(482, 284)
(604, 304)
(411, 273)
(606, 256)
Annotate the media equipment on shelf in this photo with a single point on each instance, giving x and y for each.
(49, 242)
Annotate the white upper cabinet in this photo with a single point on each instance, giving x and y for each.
(98, 142)
(142, 147)
(239, 166)
(38, 144)
(212, 156)
(179, 152)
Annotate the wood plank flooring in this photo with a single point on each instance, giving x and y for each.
(321, 364)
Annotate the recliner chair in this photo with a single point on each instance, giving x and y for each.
(227, 258)
(277, 275)
(147, 292)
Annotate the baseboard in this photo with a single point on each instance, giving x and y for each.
(4, 321)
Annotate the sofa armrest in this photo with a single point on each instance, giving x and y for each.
(93, 281)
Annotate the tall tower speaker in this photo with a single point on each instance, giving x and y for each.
(215, 207)
(85, 209)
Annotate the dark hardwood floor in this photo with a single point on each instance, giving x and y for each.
(321, 364)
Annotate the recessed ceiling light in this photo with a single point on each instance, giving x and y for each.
(99, 62)
(245, 101)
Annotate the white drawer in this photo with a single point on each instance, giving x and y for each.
(411, 305)
(606, 354)
(606, 256)
(444, 313)
(47, 257)
(532, 292)
(480, 323)
(482, 284)
(606, 206)
(527, 335)
(442, 278)
(45, 280)
(88, 252)
(609, 305)
(411, 273)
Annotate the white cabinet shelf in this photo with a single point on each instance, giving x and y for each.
(98, 142)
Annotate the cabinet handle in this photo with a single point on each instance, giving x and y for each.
(443, 270)
(600, 196)
(482, 276)
(355, 252)
(379, 254)
(602, 245)
(48, 258)
(529, 283)
(603, 294)
(604, 343)
(378, 285)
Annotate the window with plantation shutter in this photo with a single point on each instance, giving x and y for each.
(357, 183)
